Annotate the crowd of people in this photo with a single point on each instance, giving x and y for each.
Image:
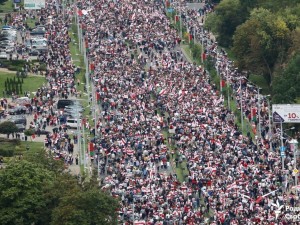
(156, 107)
(158, 113)
(43, 115)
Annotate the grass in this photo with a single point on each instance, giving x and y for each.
(31, 83)
(6, 6)
(187, 52)
(15, 147)
(78, 60)
(31, 23)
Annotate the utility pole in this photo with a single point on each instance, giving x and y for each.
(282, 147)
(270, 128)
(241, 99)
(258, 111)
(294, 147)
(228, 97)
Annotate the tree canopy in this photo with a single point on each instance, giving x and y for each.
(8, 127)
(264, 36)
(36, 190)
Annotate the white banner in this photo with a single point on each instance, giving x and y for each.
(34, 4)
(286, 113)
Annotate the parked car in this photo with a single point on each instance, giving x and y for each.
(62, 103)
(34, 53)
(72, 123)
(21, 127)
(17, 110)
(19, 120)
(41, 131)
(3, 55)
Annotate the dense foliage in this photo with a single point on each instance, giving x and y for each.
(265, 38)
(36, 190)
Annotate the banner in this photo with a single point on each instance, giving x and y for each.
(286, 113)
(34, 4)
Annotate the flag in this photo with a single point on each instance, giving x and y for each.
(163, 92)
(92, 66)
(91, 146)
(204, 56)
(176, 18)
(33, 136)
(222, 83)
(98, 96)
(259, 199)
(190, 37)
(79, 12)
(168, 4)
(253, 114)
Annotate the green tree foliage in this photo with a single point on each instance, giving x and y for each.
(227, 16)
(36, 190)
(287, 86)
(261, 42)
(21, 187)
(8, 127)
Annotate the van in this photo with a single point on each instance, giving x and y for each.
(72, 123)
(62, 103)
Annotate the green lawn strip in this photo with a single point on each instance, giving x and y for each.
(30, 83)
(9, 149)
(78, 60)
(31, 22)
(6, 6)
(187, 52)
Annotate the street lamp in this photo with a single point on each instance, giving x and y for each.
(258, 109)
(270, 128)
(294, 147)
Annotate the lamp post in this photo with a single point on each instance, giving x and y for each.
(294, 147)
(270, 128)
(258, 110)
(241, 99)
(282, 147)
(228, 97)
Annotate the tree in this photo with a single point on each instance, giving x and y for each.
(286, 87)
(8, 128)
(37, 190)
(101, 209)
(21, 185)
(261, 42)
(227, 16)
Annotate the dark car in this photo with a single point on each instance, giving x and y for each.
(18, 110)
(62, 103)
(42, 132)
(19, 120)
(34, 53)
(21, 127)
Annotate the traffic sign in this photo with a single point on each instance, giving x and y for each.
(282, 148)
(282, 154)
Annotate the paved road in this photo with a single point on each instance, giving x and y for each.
(74, 169)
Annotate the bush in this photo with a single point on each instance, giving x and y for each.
(42, 67)
(15, 65)
(6, 152)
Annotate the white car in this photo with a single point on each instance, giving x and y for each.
(3, 55)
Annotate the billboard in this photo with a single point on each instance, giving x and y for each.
(286, 113)
(34, 4)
